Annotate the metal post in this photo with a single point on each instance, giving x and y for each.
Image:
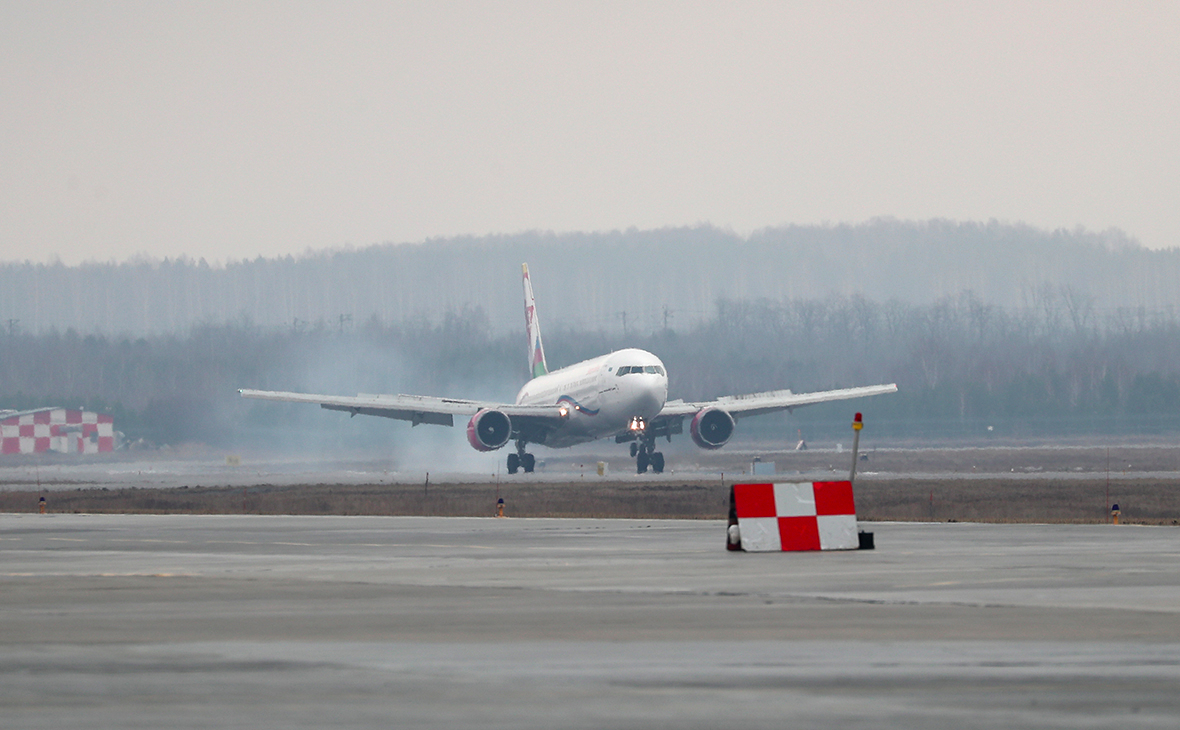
(857, 425)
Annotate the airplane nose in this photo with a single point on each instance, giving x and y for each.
(650, 397)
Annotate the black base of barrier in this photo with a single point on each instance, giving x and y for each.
(866, 540)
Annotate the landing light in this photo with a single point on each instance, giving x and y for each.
(563, 411)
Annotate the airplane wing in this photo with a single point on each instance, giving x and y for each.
(775, 400)
(413, 408)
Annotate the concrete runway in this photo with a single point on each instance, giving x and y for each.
(281, 622)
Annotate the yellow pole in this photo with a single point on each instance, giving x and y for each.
(857, 425)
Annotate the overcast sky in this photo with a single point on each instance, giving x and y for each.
(229, 130)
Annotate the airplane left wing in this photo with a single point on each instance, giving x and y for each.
(413, 408)
(756, 404)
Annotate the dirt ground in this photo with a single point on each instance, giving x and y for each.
(943, 498)
(993, 484)
(975, 460)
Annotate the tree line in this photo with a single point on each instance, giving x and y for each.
(1059, 364)
(627, 282)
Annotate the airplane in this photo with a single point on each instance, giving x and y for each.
(623, 395)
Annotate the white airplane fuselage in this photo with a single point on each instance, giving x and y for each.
(604, 395)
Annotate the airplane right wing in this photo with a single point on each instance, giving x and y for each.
(756, 404)
(713, 422)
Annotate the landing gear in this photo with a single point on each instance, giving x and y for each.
(645, 456)
(521, 460)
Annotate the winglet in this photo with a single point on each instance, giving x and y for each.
(537, 365)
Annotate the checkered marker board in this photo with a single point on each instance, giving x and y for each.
(808, 516)
(57, 429)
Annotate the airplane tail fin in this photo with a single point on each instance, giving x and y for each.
(537, 365)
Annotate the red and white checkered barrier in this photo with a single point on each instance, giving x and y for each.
(62, 430)
(807, 516)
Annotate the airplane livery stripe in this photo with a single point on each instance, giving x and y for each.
(578, 406)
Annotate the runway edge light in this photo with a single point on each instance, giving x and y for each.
(865, 538)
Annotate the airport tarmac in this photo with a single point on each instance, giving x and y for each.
(279, 622)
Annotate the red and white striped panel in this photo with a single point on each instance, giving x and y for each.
(807, 516)
(18, 434)
(57, 429)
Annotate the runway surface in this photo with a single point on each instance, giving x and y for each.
(203, 468)
(281, 622)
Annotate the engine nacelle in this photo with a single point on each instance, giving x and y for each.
(488, 430)
(711, 428)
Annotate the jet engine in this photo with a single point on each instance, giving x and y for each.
(711, 428)
(488, 430)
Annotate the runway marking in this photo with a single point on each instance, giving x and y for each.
(145, 539)
(101, 575)
(416, 544)
(1007, 579)
(451, 545)
(67, 539)
(147, 575)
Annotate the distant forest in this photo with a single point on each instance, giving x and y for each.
(632, 283)
(1058, 365)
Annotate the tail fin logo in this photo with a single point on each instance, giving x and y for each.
(537, 364)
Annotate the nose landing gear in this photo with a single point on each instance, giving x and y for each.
(521, 460)
(646, 455)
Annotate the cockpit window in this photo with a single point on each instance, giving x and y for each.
(630, 369)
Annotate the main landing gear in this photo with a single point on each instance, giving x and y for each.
(646, 455)
(521, 460)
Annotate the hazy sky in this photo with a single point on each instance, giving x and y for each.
(229, 130)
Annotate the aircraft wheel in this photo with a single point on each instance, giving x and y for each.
(657, 463)
(634, 449)
(641, 462)
(528, 462)
(513, 463)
